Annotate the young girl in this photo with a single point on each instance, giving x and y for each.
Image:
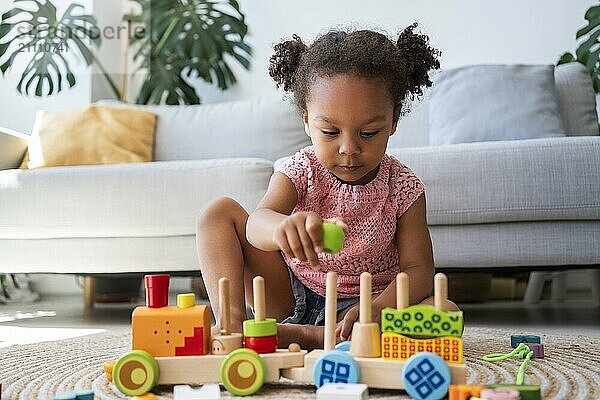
(350, 88)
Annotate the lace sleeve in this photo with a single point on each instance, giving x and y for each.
(408, 188)
(297, 168)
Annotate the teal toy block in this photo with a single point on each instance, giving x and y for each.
(66, 396)
(516, 340)
(84, 394)
(527, 392)
(422, 320)
(426, 376)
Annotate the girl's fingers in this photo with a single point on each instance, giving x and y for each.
(314, 228)
(282, 242)
(339, 221)
(295, 244)
(308, 247)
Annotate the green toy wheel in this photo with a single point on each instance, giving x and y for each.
(243, 372)
(333, 238)
(135, 373)
(253, 328)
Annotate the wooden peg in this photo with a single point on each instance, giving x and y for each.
(441, 291)
(258, 288)
(330, 311)
(224, 306)
(402, 294)
(366, 335)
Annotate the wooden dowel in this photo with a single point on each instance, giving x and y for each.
(224, 306)
(258, 289)
(440, 282)
(365, 298)
(330, 311)
(402, 291)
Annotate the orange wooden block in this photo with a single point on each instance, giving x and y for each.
(171, 331)
(400, 347)
(464, 392)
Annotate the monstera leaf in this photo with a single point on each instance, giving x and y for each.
(187, 39)
(37, 33)
(588, 51)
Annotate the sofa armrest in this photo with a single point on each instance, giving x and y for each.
(12, 148)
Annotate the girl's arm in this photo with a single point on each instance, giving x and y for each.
(415, 257)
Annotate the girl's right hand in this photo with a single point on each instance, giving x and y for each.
(300, 236)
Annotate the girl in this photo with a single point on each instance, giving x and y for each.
(350, 88)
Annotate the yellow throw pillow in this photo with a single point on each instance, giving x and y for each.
(92, 135)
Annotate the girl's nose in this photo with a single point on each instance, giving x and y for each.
(348, 146)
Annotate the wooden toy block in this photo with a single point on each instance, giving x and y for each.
(333, 238)
(426, 377)
(343, 346)
(366, 336)
(500, 394)
(464, 392)
(146, 396)
(265, 344)
(108, 368)
(198, 370)
(242, 372)
(516, 340)
(84, 394)
(537, 348)
(227, 341)
(330, 311)
(343, 391)
(402, 285)
(374, 372)
(135, 373)
(186, 300)
(527, 392)
(157, 290)
(161, 331)
(400, 347)
(440, 295)
(65, 396)
(209, 391)
(423, 320)
(260, 327)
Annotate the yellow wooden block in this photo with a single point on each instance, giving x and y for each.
(400, 347)
(160, 331)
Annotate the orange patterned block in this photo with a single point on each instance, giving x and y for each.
(161, 331)
(464, 392)
(400, 347)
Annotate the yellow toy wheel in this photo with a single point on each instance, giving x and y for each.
(243, 372)
(135, 373)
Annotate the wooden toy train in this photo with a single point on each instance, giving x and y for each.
(416, 348)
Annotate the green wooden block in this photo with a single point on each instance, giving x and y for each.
(253, 328)
(527, 392)
(422, 320)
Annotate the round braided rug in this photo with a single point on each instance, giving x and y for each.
(570, 369)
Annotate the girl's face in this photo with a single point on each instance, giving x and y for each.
(349, 120)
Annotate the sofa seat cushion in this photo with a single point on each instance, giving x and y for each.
(123, 200)
(521, 180)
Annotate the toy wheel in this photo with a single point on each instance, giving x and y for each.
(135, 373)
(336, 366)
(426, 376)
(243, 372)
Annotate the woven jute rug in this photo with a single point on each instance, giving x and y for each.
(570, 369)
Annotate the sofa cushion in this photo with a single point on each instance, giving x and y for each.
(494, 102)
(519, 180)
(12, 148)
(264, 128)
(576, 99)
(123, 200)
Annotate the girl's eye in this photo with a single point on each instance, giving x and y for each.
(369, 134)
(329, 133)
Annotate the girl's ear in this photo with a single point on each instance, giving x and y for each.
(305, 120)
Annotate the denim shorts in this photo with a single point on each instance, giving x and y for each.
(310, 306)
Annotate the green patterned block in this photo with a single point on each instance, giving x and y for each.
(422, 320)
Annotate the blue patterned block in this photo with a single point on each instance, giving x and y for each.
(426, 376)
(516, 340)
(335, 366)
(343, 346)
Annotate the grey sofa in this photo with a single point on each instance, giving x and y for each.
(526, 204)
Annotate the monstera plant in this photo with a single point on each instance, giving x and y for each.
(182, 40)
(38, 34)
(588, 50)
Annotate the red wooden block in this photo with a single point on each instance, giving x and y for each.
(157, 290)
(193, 346)
(262, 345)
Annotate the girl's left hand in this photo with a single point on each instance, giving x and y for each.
(344, 327)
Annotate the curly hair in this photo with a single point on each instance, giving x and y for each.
(404, 66)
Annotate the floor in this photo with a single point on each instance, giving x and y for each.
(62, 317)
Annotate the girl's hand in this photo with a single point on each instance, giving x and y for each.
(300, 236)
(344, 327)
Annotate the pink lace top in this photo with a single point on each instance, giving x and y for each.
(371, 212)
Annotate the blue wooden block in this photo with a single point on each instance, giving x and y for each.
(84, 394)
(343, 346)
(426, 376)
(516, 340)
(66, 396)
(336, 366)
